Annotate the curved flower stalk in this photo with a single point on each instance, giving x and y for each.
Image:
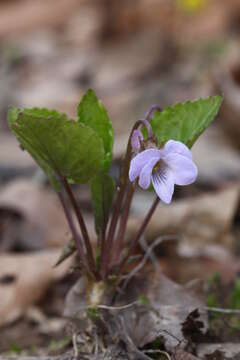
(173, 164)
(136, 139)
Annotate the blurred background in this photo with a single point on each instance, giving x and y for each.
(133, 53)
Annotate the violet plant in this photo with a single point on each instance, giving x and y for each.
(80, 151)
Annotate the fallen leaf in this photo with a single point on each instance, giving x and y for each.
(183, 355)
(227, 78)
(24, 280)
(31, 217)
(192, 327)
(169, 306)
(200, 220)
(166, 307)
(218, 351)
(25, 16)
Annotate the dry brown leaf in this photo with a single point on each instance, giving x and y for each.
(227, 78)
(27, 15)
(24, 279)
(169, 305)
(228, 350)
(211, 21)
(218, 162)
(183, 355)
(41, 220)
(201, 220)
(189, 268)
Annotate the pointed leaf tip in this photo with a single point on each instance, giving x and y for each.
(92, 113)
(185, 121)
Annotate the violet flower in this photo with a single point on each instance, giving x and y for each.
(164, 167)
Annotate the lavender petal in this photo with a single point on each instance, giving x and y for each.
(140, 160)
(184, 170)
(177, 147)
(163, 183)
(145, 174)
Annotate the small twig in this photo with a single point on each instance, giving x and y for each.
(173, 336)
(157, 352)
(123, 333)
(147, 255)
(140, 231)
(144, 245)
(75, 346)
(96, 350)
(106, 307)
(123, 307)
(221, 310)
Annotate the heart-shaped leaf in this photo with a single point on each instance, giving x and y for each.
(62, 147)
(185, 121)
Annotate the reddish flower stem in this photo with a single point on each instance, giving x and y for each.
(105, 256)
(123, 223)
(82, 225)
(140, 231)
(152, 109)
(73, 229)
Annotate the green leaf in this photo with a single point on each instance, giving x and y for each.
(13, 114)
(60, 146)
(92, 113)
(102, 192)
(185, 121)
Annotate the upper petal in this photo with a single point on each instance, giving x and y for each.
(140, 160)
(177, 147)
(163, 183)
(184, 170)
(146, 172)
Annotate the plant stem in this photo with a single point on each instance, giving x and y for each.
(140, 231)
(82, 225)
(123, 223)
(123, 186)
(101, 247)
(117, 208)
(151, 111)
(105, 255)
(73, 229)
(123, 183)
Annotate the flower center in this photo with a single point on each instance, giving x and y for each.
(160, 164)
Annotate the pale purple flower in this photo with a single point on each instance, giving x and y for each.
(173, 164)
